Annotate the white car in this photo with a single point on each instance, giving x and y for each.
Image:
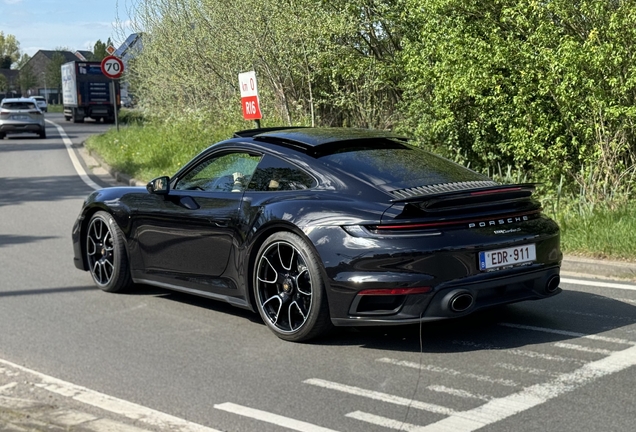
(21, 115)
(41, 102)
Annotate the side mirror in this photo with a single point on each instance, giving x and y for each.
(159, 186)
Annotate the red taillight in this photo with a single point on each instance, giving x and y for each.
(493, 191)
(395, 291)
(4, 113)
(35, 112)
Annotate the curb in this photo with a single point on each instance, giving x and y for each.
(572, 266)
(598, 268)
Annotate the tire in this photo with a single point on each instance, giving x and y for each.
(42, 133)
(289, 289)
(106, 254)
(67, 118)
(2, 136)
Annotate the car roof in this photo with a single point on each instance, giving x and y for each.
(311, 137)
(22, 99)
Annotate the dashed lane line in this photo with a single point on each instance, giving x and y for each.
(383, 421)
(458, 392)
(384, 397)
(268, 417)
(569, 333)
(502, 408)
(111, 404)
(448, 371)
(582, 348)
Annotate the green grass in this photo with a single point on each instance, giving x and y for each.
(146, 150)
(600, 232)
(55, 108)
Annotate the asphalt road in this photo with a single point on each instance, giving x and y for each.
(156, 360)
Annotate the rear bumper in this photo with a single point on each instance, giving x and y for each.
(510, 286)
(21, 127)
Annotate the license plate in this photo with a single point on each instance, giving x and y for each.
(507, 257)
(19, 117)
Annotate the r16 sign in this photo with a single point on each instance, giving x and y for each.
(112, 67)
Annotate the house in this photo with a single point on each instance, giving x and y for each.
(12, 80)
(39, 65)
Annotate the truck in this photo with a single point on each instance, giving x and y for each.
(86, 92)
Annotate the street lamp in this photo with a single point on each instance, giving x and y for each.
(44, 76)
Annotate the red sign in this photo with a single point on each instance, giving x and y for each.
(249, 96)
(112, 67)
(251, 110)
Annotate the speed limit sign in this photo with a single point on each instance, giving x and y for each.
(112, 67)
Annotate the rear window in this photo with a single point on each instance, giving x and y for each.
(38, 98)
(393, 163)
(19, 105)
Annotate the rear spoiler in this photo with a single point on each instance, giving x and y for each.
(454, 191)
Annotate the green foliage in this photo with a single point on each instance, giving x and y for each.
(328, 62)
(546, 87)
(4, 83)
(9, 50)
(99, 50)
(599, 231)
(54, 71)
(27, 78)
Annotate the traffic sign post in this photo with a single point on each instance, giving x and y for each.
(113, 68)
(249, 97)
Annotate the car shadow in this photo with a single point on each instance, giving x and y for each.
(567, 316)
(563, 317)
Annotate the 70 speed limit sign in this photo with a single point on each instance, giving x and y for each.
(112, 67)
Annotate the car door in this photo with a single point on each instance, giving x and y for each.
(185, 237)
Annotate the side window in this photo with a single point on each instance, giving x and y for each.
(274, 174)
(230, 172)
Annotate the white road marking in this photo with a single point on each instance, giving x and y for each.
(520, 352)
(569, 333)
(448, 371)
(501, 408)
(383, 421)
(8, 386)
(595, 315)
(582, 348)
(74, 160)
(384, 397)
(111, 404)
(267, 417)
(531, 371)
(458, 392)
(598, 284)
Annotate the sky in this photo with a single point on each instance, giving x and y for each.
(71, 24)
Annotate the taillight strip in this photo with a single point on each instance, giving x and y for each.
(395, 291)
(455, 222)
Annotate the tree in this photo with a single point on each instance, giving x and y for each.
(24, 59)
(9, 48)
(99, 50)
(4, 84)
(27, 78)
(54, 71)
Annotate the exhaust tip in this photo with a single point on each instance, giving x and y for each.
(553, 284)
(461, 302)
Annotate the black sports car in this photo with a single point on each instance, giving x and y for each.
(314, 227)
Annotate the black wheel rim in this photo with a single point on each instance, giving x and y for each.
(100, 251)
(283, 287)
